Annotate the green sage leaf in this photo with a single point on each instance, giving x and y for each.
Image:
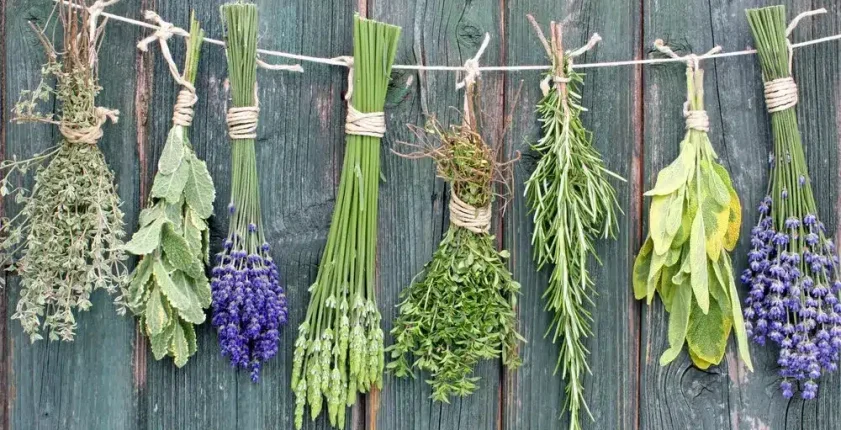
(199, 190)
(179, 347)
(642, 266)
(156, 316)
(678, 323)
(173, 153)
(146, 239)
(160, 342)
(176, 294)
(169, 187)
(699, 278)
(176, 249)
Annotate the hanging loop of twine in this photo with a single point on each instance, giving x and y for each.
(280, 67)
(695, 119)
(477, 220)
(94, 12)
(360, 123)
(471, 66)
(91, 134)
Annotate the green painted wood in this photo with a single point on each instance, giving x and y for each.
(413, 203)
(108, 380)
(534, 395)
(73, 385)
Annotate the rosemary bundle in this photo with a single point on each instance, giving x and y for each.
(573, 205)
(793, 272)
(339, 350)
(460, 309)
(168, 290)
(694, 222)
(249, 304)
(68, 233)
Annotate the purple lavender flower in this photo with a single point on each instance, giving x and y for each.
(793, 298)
(249, 306)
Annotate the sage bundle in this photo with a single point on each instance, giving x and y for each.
(793, 272)
(249, 304)
(573, 204)
(460, 309)
(68, 233)
(168, 290)
(694, 223)
(339, 349)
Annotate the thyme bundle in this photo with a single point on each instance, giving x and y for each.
(69, 231)
(793, 272)
(249, 304)
(460, 309)
(694, 222)
(573, 205)
(168, 290)
(339, 350)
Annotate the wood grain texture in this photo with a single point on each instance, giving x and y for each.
(75, 385)
(534, 394)
(107, 379)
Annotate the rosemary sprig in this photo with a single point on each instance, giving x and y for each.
(339, 350)
(573, 205)
(168, 290)
(69, 231)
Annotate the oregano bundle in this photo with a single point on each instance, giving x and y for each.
(694, 223)
(460, 309)
(168, 290)
(68, 233)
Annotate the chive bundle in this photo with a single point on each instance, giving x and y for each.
(339, 350)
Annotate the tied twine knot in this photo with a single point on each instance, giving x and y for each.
(695, 119)
(357, 122)
(242, 122)
(555, 51)
(89, 134)
(477, 220)
(183, 112)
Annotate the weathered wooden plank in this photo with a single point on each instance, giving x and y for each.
(79, 384)
(413, 202)
(534, 394)
(300, 147)
(728, 395)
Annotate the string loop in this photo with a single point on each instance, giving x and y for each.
(91, 134)
(471, 66)
(477, 220)
(242, 122)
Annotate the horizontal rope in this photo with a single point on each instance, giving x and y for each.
(337, 62)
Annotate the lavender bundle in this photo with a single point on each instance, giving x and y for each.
(69, 230)
(793, 265)
(249, 305)
(168, 290)
(339, 350)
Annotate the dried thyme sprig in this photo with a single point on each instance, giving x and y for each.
(793, 271)
(460, 309)
(339, 349)
(694, 222)
(68, 233)
(249, 304)
(573, 205)
(168, 290)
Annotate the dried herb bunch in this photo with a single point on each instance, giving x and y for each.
(168, 290)
(249, 304)
(68, 233)
(694, 223)
(793, 272)
(460, 309)
(573, 204)
(339, 349)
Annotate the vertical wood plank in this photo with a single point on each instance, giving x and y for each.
(413, 202)
(58, 384)
(534, 394)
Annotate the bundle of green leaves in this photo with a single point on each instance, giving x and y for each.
(339, 350)
(573, 205)
(694, 222)
(460, 309)
(68, 232)
(168, 290)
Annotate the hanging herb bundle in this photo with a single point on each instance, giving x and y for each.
(339, 350)
(168, 290)
(793, 271)
(694, 222)
(466, 290)
(249, 305)
(573, 205)
(69, 230)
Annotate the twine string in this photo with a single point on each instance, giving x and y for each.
(164, 32)
(89, 134)
(471, 66)
(695, 119)
(357, 122)
(477, 220)
(183, 113)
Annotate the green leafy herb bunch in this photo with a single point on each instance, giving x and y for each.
(168, 290)
(339, 350)
(460, 309)
(694, 223)
(573, 204)
(67, 236)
